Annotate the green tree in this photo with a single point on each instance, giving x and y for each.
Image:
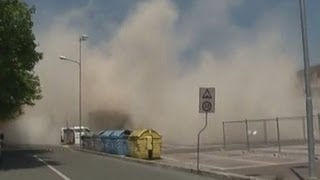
(19, 85)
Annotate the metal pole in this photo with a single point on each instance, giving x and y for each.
(311, 153)
(265, 131)
(247, 135)
(278, 135)
(224, 135)
(304, 129)
(198, 146)
(319, 125)
(80, 94)
(74, 139)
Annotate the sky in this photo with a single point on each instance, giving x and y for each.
(148, 58)
(244, 14)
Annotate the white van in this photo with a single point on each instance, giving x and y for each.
(76, 131)
(66, 136)
(85, 131)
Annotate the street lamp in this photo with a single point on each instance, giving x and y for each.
(311, 153)
(82, 38)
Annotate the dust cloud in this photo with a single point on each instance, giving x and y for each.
(143, 70)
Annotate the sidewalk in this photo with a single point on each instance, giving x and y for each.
(259, 163)
(263, 162)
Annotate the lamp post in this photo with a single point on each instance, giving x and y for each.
(82, 38)
(311, 153)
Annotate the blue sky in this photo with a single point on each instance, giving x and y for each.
(245, 15)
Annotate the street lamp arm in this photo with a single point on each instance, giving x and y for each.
(70, 60)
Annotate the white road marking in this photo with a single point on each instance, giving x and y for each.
(235, 167)
(64, 177)
(241, 160)
(263, 165)
(170, 159)
(184, 147)
(189, 163)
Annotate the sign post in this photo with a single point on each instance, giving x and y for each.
(206, 105)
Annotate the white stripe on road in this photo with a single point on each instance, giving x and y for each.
(193, 164)
(261, 165)
(235, 167)
(64, 177)
(240, 160)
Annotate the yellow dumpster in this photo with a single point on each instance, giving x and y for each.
(145, 144)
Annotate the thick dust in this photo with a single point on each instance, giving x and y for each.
(143, 73)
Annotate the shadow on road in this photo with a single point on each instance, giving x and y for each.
(22, 158)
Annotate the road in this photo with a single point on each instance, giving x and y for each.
(56, 163)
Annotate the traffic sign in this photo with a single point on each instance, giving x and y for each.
(207, 100)
(206, 105)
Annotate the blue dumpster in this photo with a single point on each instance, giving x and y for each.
(119, 142)
(98, 144)
(87, 141)
(105, 138)
(91, 142)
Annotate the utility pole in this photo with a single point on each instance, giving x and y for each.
(311, 153)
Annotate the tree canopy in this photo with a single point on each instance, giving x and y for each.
(19, 85)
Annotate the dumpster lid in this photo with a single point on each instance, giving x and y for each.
(107, 133)
(100, 132)
(120, 133)
(97, 133)
(139, 132)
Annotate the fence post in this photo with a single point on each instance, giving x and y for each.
(224, 135)
(265, 131)
(247, 135)
(278, 135)
(304, 129)
(319, 126)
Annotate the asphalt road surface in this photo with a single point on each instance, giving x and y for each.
(54, 163)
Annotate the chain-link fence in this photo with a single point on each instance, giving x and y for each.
(260, 132)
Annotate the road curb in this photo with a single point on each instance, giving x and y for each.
(214, 174)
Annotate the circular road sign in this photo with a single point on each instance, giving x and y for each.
(206, 106)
